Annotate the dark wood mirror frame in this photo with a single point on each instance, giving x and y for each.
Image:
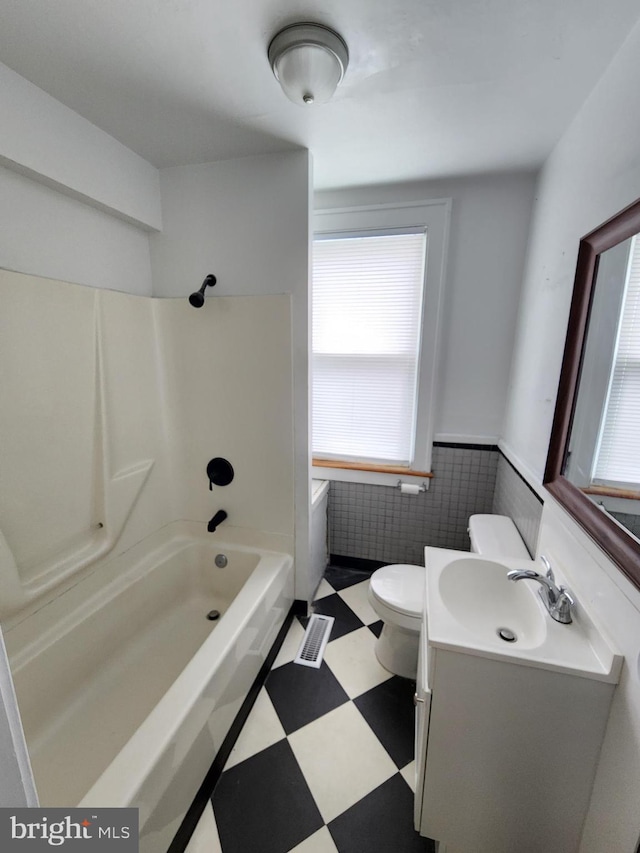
(614, 540)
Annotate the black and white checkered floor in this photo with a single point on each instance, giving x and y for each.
(324, 762)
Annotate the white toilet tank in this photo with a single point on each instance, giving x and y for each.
(496, 536)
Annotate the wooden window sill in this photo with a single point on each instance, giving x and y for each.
(369, 466)
(612, 492)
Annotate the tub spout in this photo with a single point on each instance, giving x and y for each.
(217, 519)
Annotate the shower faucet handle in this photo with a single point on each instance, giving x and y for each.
(220, 472)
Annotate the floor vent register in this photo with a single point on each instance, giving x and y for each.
(314, 641)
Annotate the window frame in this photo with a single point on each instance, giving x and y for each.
(434, 217)
(633, 365)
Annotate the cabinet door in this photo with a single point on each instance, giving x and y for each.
(422, 701)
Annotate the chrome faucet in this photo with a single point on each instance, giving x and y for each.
(557, 599)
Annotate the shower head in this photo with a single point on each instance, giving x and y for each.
(197, 299)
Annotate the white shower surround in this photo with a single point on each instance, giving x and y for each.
(114, 404)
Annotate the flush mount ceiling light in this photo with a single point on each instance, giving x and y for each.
(309, 61)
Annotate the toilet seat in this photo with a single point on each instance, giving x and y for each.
(400, 588)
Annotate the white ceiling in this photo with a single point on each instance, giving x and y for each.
(434, 87)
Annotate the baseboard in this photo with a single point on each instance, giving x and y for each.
(358, 563)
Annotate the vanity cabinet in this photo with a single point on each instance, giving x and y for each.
(505, 753)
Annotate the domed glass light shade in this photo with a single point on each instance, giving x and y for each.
(309, 61)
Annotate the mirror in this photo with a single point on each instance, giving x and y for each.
(593, 465)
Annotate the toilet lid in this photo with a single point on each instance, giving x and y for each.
(401, 587)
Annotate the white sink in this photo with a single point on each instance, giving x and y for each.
(481, 598)
(472, 606)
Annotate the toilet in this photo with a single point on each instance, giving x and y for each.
(397, 592)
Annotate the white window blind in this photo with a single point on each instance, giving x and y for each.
(618, 456)
(367, 312)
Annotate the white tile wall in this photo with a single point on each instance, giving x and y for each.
(380, 523)
(514, 498)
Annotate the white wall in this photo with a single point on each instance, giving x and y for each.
(243, 220)
(47, 233)
(593, 172)
(75, 204)
(247, 221)
(46, 140)
(487, 245)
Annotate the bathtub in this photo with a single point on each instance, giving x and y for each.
(319, 545)
(127, 695)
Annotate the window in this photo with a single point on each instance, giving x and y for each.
(377, 276)
(367, 313)
(618, 454)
